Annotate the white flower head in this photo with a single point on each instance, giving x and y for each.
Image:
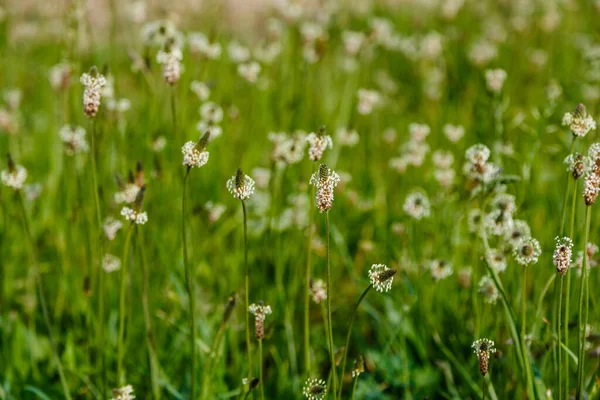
(325, 180)
(74, 139)
(563, 254)
(454, 132)
(495, 79)
(249, 71)
(496, 259)
(318, 142)
(440, 269)
(418, 132)
(170, 58)
(488, 289)
(527, 251)
(110, 263)
(195, 153)
(417, 205)
(241, 186)
(124, 393)
(111, 226)
(381, 277)
(92, 94)
(315, 389)
(579, 122)
(136, 217)
(13, 177)
(367, 101)
(318, 290)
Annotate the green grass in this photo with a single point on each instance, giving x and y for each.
(416, 338)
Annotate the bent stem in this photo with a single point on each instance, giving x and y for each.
(122, 309)
(583, 297)
(345, 356)
(247, 304)
(147, 320)
(40, 289)
(190, 288)
(329, 323)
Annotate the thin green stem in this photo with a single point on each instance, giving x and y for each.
(583, 297)
(174, 111)
(206, 372)
(247, 295)
(558, 329)
(190, 289)
(148, 320)
(568, 292)
(329, 323)
(354, 387)
(122, 308)
(345, 356)
(40, 289)
(307, 280)
(483, 386)
(260, 369)
(524, 307)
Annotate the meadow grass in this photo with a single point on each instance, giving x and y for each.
(415, 148)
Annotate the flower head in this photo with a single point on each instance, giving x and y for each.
(488, 289)
(483, 348)
(111, 226)
(562, 254)
(496, 259)
(579, 122)
(578, 164)
(494, 79)
(135, 214)
(14, 176)
(440, 269)
(359, 367)
(527, 251)
(110, 263)
(325, 180)
(260, 312)
(591, 187)
(241, 186)
(417, 205)
(249, 71)
(74, 139)
(318, 290)
(170, 58)
(318, 142)
(315, 389)
(195, 154)
(93, 82)
(381, 277)
(124, 393)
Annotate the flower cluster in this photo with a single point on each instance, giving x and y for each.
(381, 277)
(417, 205)
(359, 367)
(477, 167)
(195, 154)
(318, 290)
(494, 79)
(325, 180)
(93, 82)
(578, 164)
(527, 251)
(249, 71)
(488, 289)
(288, 149)
(124, 393)
(318, 142)
(111, 226)
(260, 312)
(13, 177)
(110, 263)
(562, 254)
(367, 101)
(74, 139)
(170, 58)
(440, 269)
(483, 348)
(315, 389)
(137, 217)
(579, 122)
(241, 186)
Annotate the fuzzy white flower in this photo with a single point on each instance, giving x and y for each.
(127, 194)
(454, 132)
(110, 263)
(417, 205)
(318, 142)
(111, 226)
(418, 132)
(201, 90)
(527, 251)
(488, 289)
(563, 254)
(496, 260)
(325, 180)
(315, 389)
(92, 94)
(14, 177)
(170, 59)
(318, 290)
(241, 186)
(74, 139)
(381, 277)
(440, 269)
(367, 101)
(579, 122)
(124, 393)
(194, 155)
(136, 217)
(249, 71)
(199, 44)
(494, 79)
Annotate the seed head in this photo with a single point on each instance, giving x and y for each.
(170, 58)
(241, 186)
(195, 154)
(229, 306)
(563, 254)
(315, 389)
(14, 176)
(578, 164)
(483, 348)
(124, 393)
(260, 312)
(381, 277)
(318, 143)
(488, 289)
(527, 251)
(318, 290)
(579, 122)
(92, 94)
(325, 181)
(440, 269)
(417, 205)
(359, 367)
(591, 187)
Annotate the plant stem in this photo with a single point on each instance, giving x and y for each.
(568, 293)
(559, 328)
(174, 111)
(524, 307)
(206, 372)
(247, 304)
(329, 323)
(354, 387)
(483, 386)
(260, 369)
(147, 319)
(307, 280)
(122, 309)
(190, 289)
(583, 298)
(345, 356)
(40, 289)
